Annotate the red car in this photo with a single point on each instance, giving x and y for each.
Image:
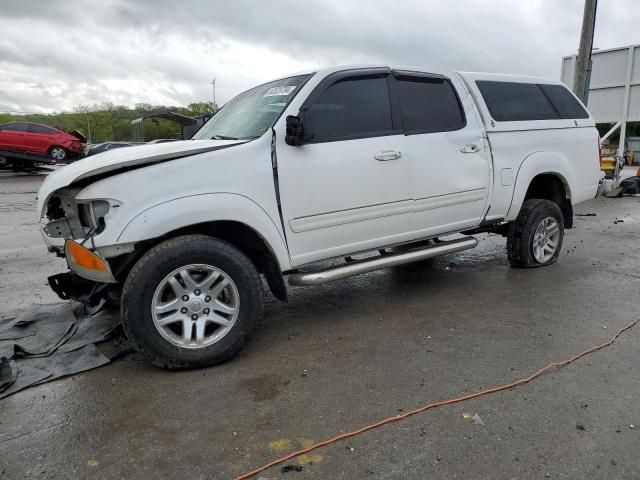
(38, 139)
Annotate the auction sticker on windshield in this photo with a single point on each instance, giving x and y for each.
(279, 91)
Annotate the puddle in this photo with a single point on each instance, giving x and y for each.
(264, 387)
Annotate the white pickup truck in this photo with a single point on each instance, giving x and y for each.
(367, 166)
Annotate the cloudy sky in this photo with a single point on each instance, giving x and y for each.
(58, 54)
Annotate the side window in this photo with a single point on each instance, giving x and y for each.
(429, 105)
(351, 108)
(566, 104)
(511, 102)
(41, 129)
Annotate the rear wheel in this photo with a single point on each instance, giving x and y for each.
(191, 302)
(535, 237)
(58, 153)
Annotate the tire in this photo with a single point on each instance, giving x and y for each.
(58, 153)
(149, 289)
(523, 244)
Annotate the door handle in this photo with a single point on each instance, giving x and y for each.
(386, 155)
(470, 148)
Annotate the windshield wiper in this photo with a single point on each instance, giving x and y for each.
(223, 137)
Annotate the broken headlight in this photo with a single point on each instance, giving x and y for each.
(92, 214)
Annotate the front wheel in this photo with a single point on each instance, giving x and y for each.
(535, 237)
(191, 301)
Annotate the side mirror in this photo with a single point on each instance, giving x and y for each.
(295, 132)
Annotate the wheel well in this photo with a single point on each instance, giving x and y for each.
(549, 186)
(246, 240)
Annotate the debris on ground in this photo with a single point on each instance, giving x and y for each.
(477, 420)
(630, 186)
(50, 341)
(586, 215)
(616, 221)
(291, 468)
(474, 417)
(579, 426)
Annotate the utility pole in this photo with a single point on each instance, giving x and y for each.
(213, 84)
(583, 61)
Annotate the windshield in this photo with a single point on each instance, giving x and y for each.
(253, 112)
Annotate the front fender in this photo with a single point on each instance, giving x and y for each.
(535, 164)
(185, 211)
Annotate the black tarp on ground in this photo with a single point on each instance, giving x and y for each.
(46, 342)
(630, 186)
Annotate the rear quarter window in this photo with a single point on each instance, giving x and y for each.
(513, 102)
(41, 129)
(565, 103)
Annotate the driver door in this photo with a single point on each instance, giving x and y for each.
(346, 189)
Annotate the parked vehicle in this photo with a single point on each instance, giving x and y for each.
(341, 163)
(103, 147)
(43, 140)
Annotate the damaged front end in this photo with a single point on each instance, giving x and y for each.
(70, 229)
(82, 221)
(69, 286)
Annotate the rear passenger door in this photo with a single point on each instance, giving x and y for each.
(39, 138)
(448, 157)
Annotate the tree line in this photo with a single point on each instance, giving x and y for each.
(107, 122)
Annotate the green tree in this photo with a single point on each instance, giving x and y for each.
(200, 108)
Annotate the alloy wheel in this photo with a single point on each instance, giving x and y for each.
(546, 239)
(195, 306)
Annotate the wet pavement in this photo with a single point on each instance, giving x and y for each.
(349, 353)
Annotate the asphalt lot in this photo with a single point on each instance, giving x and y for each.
(352, 352)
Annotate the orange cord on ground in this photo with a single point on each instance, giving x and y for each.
(429, 406)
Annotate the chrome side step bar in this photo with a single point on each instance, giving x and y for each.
(383, 261)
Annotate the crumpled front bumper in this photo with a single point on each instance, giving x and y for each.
(69, 286)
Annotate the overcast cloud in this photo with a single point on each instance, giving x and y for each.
(58, 54)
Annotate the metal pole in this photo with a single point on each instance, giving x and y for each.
(213, 85)
(581, 80)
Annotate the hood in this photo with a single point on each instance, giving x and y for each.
(121, 158)
(77, 134)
